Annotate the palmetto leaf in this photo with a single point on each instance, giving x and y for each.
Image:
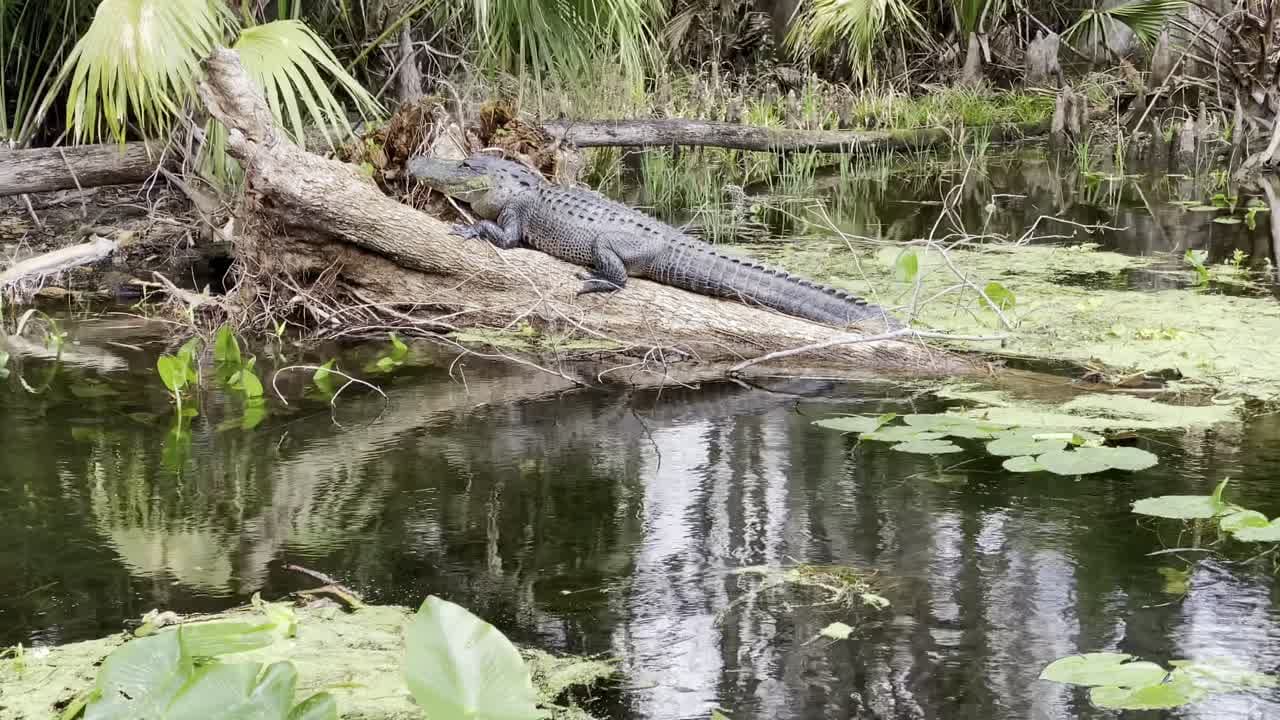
(1146, 18)
(825, 25)
(139, 58)
(290, 63)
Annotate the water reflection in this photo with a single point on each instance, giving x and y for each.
(612, 522)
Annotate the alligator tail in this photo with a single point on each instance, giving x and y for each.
(696, 266)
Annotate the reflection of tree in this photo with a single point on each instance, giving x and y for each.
(610, 522)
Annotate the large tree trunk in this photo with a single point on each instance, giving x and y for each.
(667, 132)
(328, 237)
(85, 166)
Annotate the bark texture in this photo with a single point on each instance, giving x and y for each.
(667, 132)
(1043, 67)
(85, 166)
(318, 220)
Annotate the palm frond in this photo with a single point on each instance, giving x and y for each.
(857, 26)
(139, 58)
(1146, 18)
(290, 63)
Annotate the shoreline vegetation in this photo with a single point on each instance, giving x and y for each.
(242, 174)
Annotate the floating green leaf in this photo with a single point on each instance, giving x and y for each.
(1180, 507)
(458, 666)
(1000, 295)
(1204, 208)
(1103, 668)
(1267, 533)
(1227, 220)
(954, 425)
(928, 447)
(1087, 460)
(836, 631)
(1149, 697)
(851, 423)
(1022, 464)
(1024, 445)
(900, 433)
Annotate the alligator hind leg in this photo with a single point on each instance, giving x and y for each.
(609, 273)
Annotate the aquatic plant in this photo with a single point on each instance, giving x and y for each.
(1240, 523)
(455, 665)
(1119, 681)
(178, 371)
(1061, 451)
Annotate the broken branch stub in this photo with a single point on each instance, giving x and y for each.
(312, 217)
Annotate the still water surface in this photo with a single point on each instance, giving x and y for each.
(591, 521)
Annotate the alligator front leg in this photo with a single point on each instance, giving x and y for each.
(504, 234)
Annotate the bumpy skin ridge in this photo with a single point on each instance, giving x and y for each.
(586, 228)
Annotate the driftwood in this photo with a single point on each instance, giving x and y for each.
(312, 218)
(52, 263)
(81, 166)
(705, 133)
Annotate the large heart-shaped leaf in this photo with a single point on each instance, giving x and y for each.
(459, 666)
(1103, 668)
(140, 678)
(1180, 507)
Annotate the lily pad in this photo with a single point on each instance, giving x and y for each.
(1227, 220)
(1022, 464)
(901, 433)
(1204, 208)
(1009, 446)
(1103, 668)
(955, 425)
(850, 423)
(1088, 460)
(928, 447)
(1179, 507)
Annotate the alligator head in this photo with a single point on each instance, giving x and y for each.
(486, 183)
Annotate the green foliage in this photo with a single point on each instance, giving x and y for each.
(138, 62)
(1196, 259)
(323, 378)
(178, 371)
(392, 359)
(907, 266)
(1002, 296)
(291, 62)
(458, 666)
(855, 423)
(558, 36)
(139, 58)
(1119, 682)
(32, 46)
(1146, 18)
(855, 27)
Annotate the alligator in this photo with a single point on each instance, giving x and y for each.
(517, 205)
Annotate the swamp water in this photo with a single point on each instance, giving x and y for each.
(618, 523)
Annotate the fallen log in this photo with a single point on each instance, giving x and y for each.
(705, 133)
(79, 166)
(318, 230)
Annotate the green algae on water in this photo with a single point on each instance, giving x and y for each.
(1073, 303)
